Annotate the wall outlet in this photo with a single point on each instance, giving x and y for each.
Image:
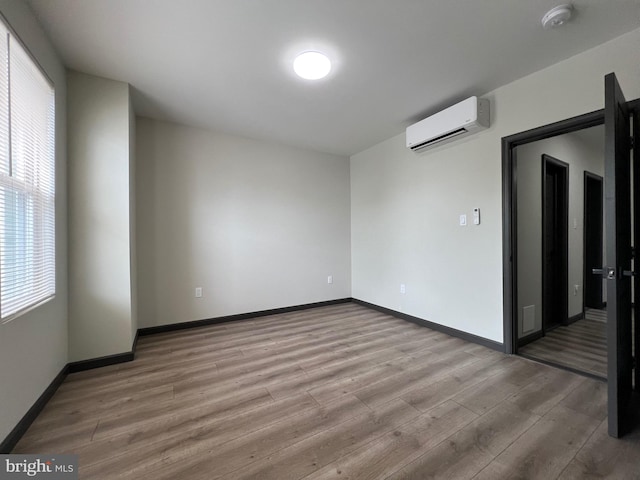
(330, 279)
(198, 292)
(403, 289)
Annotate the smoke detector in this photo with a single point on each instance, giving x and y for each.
(557, 16)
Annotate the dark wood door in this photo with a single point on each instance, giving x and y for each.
(636, 257)
(555, 208)
(593, 244)
(617, 184)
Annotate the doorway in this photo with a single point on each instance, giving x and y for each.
(622, 341)
(593, 240)
(553, 324)
(555, 214)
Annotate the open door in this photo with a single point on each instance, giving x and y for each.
(636, 257)
(618, 256)
(593, 235)
(555, 243)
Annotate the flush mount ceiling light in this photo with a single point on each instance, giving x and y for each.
(557, 16)
(312, 65)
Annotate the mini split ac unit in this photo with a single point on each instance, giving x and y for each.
(462, 119)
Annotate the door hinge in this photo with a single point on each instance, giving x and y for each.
(632, 142)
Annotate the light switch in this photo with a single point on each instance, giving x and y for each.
(463, 220)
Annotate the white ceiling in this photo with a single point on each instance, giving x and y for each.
(226, 64)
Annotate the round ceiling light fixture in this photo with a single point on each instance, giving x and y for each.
(557, 16)
(312, 65)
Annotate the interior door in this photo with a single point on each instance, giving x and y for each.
(618, 256)
(555, 214)
(593, 231)
(636, 241)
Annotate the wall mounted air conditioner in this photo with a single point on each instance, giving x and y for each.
(462, 119)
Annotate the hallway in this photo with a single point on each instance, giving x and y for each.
(580, 346)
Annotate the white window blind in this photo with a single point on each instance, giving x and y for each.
(27, 181)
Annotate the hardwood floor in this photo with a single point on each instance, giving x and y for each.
(334, 392)
(581, 345)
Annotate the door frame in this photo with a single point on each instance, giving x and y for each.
(509, 208)
(590, 176)
(563, 239)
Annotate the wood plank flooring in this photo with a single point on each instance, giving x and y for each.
(581, 345)
(338, 392)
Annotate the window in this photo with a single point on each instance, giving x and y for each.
(27, 181)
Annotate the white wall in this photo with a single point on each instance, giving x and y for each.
(101, 304)
(580, 156)
(133, 258)
(405, 206)
(256, 225)
(33, 347)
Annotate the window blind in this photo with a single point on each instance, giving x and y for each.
(27, 181)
